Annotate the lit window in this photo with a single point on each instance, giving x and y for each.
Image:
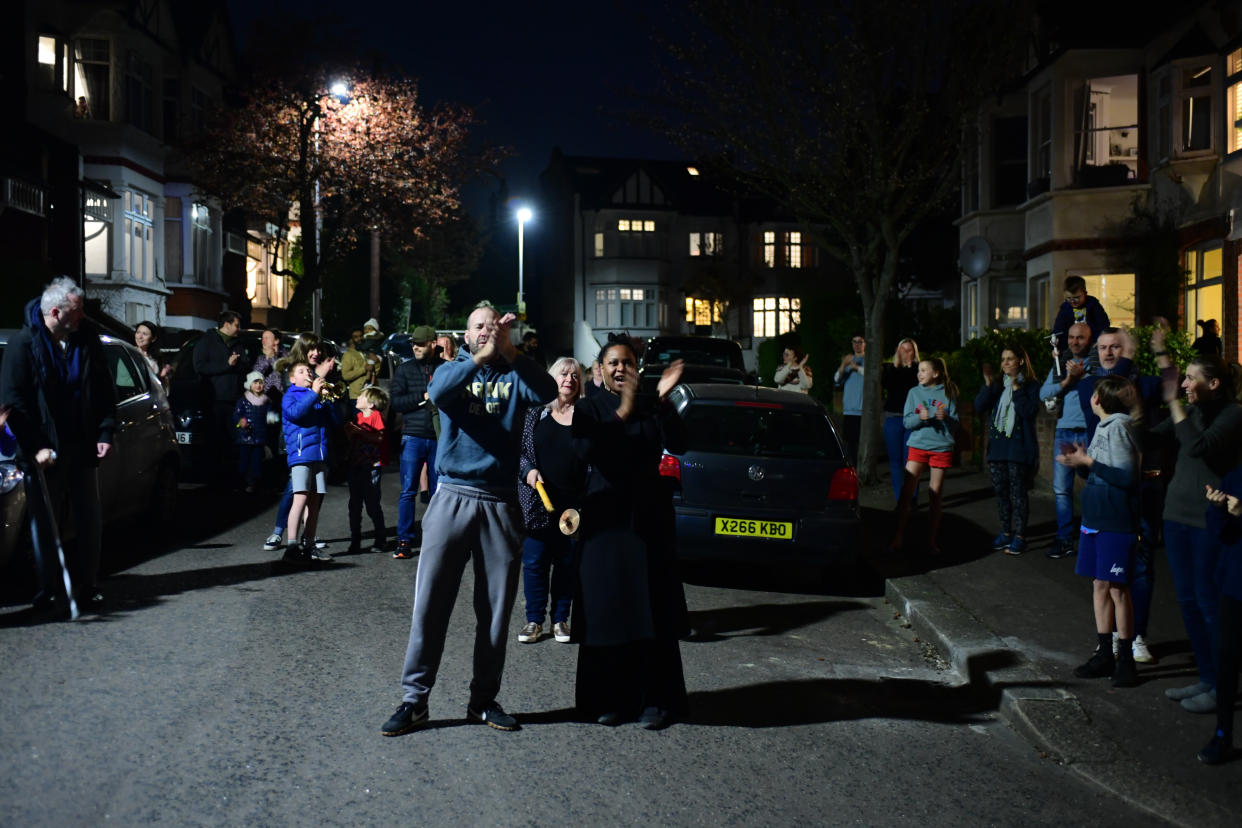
(624, 224)
(706, 244)
(138, 241)
(1233, 102)
(769, 249)
(703, 312)
(692, 170)
(93, 76)
(1204, 287)
(97, 235)
(776, 315)
(599, 245)
(648, 226)
(47, 60)
(793, 252)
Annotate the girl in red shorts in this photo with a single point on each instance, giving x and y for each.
(931, 416)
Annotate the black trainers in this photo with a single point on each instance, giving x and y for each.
(295, 553)
(404, 550)
(1100, 665)
(1060, 549)
(409, 716)
(1219, 750)
(1125, 674)
(492, 715)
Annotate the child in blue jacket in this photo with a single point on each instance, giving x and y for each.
(307, 421)
(251, 417)
(931, 416)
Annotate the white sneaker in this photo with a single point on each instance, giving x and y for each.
(1141, 654)
(530, 633)
(273, 542)
(560, 630)
(320, 543)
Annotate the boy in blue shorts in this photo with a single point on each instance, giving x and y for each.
(1110, 520)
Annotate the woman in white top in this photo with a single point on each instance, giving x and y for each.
(794, 375)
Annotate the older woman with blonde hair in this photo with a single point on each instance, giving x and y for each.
(897, 379)
(548, 457)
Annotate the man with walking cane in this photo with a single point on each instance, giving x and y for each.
(62, 410)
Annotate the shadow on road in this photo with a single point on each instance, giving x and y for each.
(127, 592)
(763, 619)
(814, 701)
(960, 541)
(860, 581)
(201, 513)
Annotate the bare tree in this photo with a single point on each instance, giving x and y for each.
(850, 113)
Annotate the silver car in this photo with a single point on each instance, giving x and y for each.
(138, 476)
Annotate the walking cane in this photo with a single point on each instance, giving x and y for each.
(60, 549)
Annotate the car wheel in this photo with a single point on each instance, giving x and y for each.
(164, 498)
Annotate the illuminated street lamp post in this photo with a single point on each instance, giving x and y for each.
(523, 216)
(338, 89)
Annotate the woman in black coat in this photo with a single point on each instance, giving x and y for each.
(630, 609)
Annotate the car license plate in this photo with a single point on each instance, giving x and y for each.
(742, 527)
(183, 437)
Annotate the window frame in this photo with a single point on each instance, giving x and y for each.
(1195, 283)
(138, 223)
(622, 307)
(775, 315)
(1232, 110)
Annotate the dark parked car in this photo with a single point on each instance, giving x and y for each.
(140, 473)
(189, 397)
(764, 479)
(706, 358)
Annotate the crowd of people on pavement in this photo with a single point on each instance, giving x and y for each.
(1154, 469)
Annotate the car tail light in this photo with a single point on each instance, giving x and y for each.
(844, 485)
(670, 466)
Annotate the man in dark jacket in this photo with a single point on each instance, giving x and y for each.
(220, 368)
(62, 410)
(408, 395)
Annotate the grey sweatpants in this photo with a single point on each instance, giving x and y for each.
(462, 523)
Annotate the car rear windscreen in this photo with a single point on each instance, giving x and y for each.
(762, 432)
(692, 356)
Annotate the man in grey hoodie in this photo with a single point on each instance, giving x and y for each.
(482, 397)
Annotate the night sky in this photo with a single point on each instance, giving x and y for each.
(540, 74)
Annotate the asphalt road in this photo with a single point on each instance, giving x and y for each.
(220, 688)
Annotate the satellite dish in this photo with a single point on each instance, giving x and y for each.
(976, 257)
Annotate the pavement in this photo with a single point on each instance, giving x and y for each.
(1018, 625)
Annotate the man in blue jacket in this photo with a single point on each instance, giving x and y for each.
(482, 397)
(62, 410)
(1071, 428)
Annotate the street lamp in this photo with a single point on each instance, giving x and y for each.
(523, 215)
(339, 89)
